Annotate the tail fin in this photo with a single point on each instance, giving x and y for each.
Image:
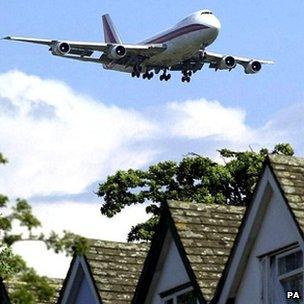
(110, 32)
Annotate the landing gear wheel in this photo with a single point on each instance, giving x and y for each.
(167, 77)
(186, 79)
(148, 75)
(186, 76)
(136, 71)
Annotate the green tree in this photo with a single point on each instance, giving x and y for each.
(195, 178)
(29, 287)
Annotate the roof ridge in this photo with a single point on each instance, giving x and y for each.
(274, 157)
(172, 203)
(93, 241)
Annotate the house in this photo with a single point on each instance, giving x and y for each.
(4, 299)
(214, 254)
(108, 273)
(200, 253)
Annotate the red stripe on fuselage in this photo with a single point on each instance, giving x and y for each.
(178, 32)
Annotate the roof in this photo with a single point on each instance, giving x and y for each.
(56, 283)
(289, 172)
(204, 235)
(207, 233)
(116, 268)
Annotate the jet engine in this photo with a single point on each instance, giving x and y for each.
(227, 63)
(117, 52)
(61, 48)
(253, 67)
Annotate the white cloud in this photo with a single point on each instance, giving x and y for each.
(198, 119)
(286, 125)
(82, 218)
(45, 262)
(59, 141)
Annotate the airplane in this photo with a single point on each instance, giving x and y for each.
(180, 48)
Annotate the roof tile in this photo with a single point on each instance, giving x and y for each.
(289, 171)
(207, 233)
(116, 268)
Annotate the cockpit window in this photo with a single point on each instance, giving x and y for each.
(206, 13)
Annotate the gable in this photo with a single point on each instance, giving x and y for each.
(84, 292)
(79, 286)
(268, 226)
(277, 231)
(108, 273)
(203, 235)
(207, 234)
(170, 271)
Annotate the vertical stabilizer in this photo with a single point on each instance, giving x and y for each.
(110, 32)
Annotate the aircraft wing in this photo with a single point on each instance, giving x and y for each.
(215, 57)
(220, 62)
(87, 48)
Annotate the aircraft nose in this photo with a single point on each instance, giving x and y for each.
(215, 24)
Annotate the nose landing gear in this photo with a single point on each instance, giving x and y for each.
(186, 76)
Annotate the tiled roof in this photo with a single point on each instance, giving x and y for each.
(289, 171)
(207, 233)
(56, 283)
(116, 268)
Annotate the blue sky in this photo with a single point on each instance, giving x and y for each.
(265, 29)
(66, 125)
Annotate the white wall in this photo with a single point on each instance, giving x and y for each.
(80, 288)
(278, 229)
(171, 274)
(85, 294)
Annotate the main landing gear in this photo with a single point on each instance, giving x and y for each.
(136, 71)
(165, 76)
(186, 76)
(148, 75)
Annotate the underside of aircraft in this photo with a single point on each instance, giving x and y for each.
(181, 48)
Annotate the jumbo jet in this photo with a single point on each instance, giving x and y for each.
(181, 48)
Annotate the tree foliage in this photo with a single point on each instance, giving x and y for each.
(195, 178)
(28, 286)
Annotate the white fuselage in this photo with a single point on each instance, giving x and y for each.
(183, 41)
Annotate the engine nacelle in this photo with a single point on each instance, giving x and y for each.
(253, 67)
(61, 48)
(117, 52)
(227, 63)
